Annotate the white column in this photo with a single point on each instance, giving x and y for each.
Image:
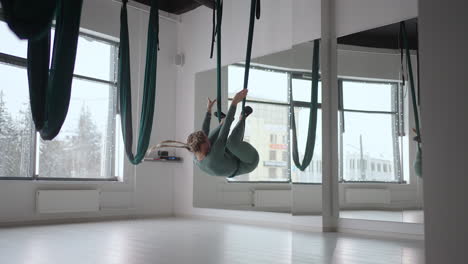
(328, 63)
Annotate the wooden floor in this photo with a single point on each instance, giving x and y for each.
(179, 241)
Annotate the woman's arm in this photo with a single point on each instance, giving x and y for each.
(206, 123)
(224, 132)
(207, 120)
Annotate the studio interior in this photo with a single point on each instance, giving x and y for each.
(233, 131)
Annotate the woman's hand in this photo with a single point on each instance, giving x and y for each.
(210, 104)
(239, 96)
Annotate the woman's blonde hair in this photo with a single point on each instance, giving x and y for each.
(194, 141)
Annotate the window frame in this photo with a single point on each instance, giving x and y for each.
(15, 61)
(398, 117)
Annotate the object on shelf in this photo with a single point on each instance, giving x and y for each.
(163, 153)
(154, 154)
(166, 158)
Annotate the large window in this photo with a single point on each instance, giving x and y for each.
(267, 127)
(86, 145)
(372, 132)
(373, 135)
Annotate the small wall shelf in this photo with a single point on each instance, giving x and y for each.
(163, 160)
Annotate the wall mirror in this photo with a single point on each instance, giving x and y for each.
(376, 123)
(279, 83)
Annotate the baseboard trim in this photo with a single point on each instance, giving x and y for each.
(93, 219)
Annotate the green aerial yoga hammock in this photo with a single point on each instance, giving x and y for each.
(217, 33)
(254, 12)
(310, 143)
(29, 19)
(404, 38)
(124, 84)
(49, 90)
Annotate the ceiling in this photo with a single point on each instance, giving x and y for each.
(385, 37)
(179, 6)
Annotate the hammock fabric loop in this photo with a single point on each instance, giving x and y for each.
(311, 132)
(219, 18)
(404, 38)
(149, 90)
(49, 89)
(254, 13)
(216, 34)
(29, 19)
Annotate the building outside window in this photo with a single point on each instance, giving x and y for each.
(272, 155)
(273, 139)
(272, 173)
(88, 145)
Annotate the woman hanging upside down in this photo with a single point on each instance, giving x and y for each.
(215, 152)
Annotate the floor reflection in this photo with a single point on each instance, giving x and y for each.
(175, 240)
(406, 216)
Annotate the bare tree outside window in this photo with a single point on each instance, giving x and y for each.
(86, 144)
(15, 124)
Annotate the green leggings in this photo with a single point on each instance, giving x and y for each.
(229, 155)
(246, 154)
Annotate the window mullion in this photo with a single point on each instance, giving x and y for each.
(113, 109)
(401, 115)
(290, 108)
(93, 79)
(34, 170)
(396, 135)
(342, 130)
(13, 60)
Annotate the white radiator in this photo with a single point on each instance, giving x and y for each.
(67, 201)
(272, 198)
(367, 196)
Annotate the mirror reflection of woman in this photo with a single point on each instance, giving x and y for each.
(218, 153)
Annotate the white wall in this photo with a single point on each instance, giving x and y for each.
(147, 189)
(443, 53)
(278, 33)
(358, 15)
